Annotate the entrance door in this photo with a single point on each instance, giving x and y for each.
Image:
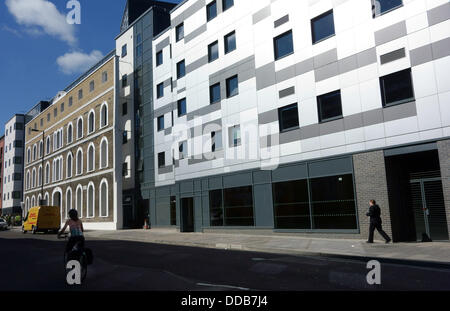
(187, 215)
(429, 208)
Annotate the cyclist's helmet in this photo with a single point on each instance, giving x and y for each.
(73, 214)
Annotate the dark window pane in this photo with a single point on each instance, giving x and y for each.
(179, 32)
(160, 90)
(288, 117)
(230, 42)
(383, 6)
(159, 58)
(211, 10)
(213, 51)
(227, 4)
(173, 211)
(238, 206)
(214, 93)
(181, 107)
(160, 123)
(216, 208)
(161, 159)
(329, 106)
(124, 50)
(322, 26)
(283, 45)
(181, 72)
(335, 207)
(291, 204)
(232, 86)
(397, 88)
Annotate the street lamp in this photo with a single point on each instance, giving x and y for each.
(43, 201)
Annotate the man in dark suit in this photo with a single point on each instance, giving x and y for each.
(375, 222)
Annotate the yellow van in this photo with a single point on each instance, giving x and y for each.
(42, 219)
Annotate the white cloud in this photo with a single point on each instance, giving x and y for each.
(78, 62)
(42, 14)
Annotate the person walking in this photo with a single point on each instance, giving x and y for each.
(375, 222)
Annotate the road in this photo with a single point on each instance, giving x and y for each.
(34, 263)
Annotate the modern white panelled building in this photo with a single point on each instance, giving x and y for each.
(287, 117)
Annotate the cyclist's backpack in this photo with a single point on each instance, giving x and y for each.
(89, 256)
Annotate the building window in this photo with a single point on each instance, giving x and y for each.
(288, 118)
(139, 50)
(48, 145)
(329, 106)
(69, 165)
(69, 133)
(124, 137)
(55, 112)
(104, 76)
(91, 201)
(161, 159)
(380, 7)
(91, 158)
(104, 198)
(80, 94)
(235, 136)
(104, 115)
(179, 32)
(160, 90)
(181, 70)
(397, 88)
(79, 162)
(62, 107)
(124, 50)
(231, 207)
(159, 58)
(104, 153)
(226, 4)
(322, 27)
(70, 101)
(230, 42)
(283, 45)
(91, 86)
(124, 109)
(91, 122)
(183, 149)
(213, 51)
(211, 11)
(182, 107)
(214, 93)
(160, 123)
(216, 141)
(124, 80)
(232, 86)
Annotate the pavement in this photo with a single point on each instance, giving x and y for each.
(433, 252)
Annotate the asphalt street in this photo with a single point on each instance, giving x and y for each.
(35, 263)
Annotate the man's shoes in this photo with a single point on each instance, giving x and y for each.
(369, 242)
(388, 241)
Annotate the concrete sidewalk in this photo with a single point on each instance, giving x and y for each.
(435, 252)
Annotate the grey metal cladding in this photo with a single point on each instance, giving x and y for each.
(421, 55)
(326, 72)
(331, 127)
(211, 125)
(439, 14)
(206, 157)
(325, 58)
(204, 111)
(285, 74)
(265, 76)
(237, 180)
(310, 131)
(441, 48)
(262, 14)
(372, 117)
(202, 61)
(268, 116)
(348, 64)
(161, 45)
(281, 21)
(330, 167)
(353, 121)
(304, 66)
(165, 170)
(291, 136)
(392, 56)
(245, 69)
(166, 109)
(191, 10)
(367, 57)
(167, 82)
(390, 33)
(194, 34)
(287, 92)
(181, 90)
(400, 111)
(293, 172)
(167, 131)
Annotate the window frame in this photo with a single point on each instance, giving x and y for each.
(208, 6)
(227, 86)
(179, 74)
(314, 41)
(375, 15)
(178, 107)
(157, 59)
(383, 89)
(215, 43)
(280, 118)
(179, 36)
(160, 92)
(319, 107)
(211, 101)
(226, 45)
(160, 127)
(224, 8)
(276, 53)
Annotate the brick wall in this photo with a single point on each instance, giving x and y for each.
(444, 151)
(371, 183)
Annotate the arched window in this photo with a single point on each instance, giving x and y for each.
(69, 133)
(48, 145)
(79, 200)
(91, 158)
(28, 180)
(47, 198)
(91, 122)
(79, 161)
(69, 165)
(27, 205)
(47, 173)
(33, 201)
(104, 198)
(39, 199)
(80, 128)
(29, 155)
(34, 153)
(39, 181)
(104, 115)
(68, 201)
(33, 179)
(104, 153)
(58, 140)
(41, 149)
(91, 201)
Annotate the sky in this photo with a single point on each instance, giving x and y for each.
(42, 54)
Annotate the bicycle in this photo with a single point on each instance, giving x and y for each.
(77, 253)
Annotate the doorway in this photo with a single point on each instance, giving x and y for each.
(187, 215)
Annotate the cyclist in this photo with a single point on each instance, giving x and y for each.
(76, 231)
